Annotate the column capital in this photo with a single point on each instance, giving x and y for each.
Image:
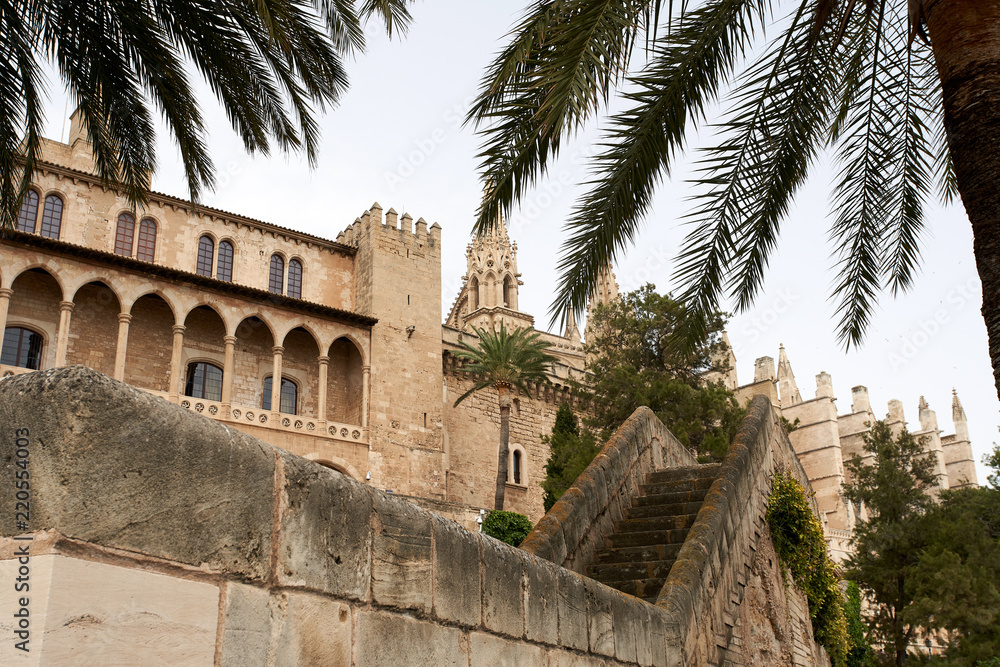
(66, 306)
(278, 349)
(125, 317)
(6, 292)
(323, 360)
(366, 369)
(179, 329)
(230, 340)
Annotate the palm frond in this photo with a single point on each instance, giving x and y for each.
(510, 358)
(682, 77)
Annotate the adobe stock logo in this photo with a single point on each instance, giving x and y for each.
(958, 298)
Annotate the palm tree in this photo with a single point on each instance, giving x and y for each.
(869, 79)
(506, 361)
(271, 64)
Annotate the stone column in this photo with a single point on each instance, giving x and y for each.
(227, 373)
(5, 294)
(365, 379)
(123, 322)
(276, 380)
(175, 362)
(62, 337)
(324, 363)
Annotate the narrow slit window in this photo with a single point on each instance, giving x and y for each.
(124, 234)
(517, 466)
(206, 250)
(28, 215)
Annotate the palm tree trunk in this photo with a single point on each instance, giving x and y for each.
(965, 36)
(504, 447)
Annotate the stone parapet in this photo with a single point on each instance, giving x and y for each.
(158, 532)
(576, 525)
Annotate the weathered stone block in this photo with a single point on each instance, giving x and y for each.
(492, 651)
(567, 659)
(116, 466)
(599, 618)
(401, 554)
(325, 531)
(625, 622)
(389, 640)
(313, 631)
(572, 610)
(541, 601)
(503, 611)
(110, 615)
(457, 583)
(246, 626)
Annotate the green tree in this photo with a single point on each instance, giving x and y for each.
(633, 362)
(509, 527)
(795, 78)
(271, 64)
(507, 362)
(892, 488)
(956, 581)
(571, 451)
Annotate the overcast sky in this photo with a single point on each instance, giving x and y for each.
(397, 138)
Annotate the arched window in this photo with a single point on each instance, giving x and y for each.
(473, 294)
(295, 279)
(52, 217)
(224, 263)
(516, 467)
(146, 248)
(124, 234)
(508, 292)
(289, 395)
(276, 280)
(22, 348)
(204, 380)
(206, 252)
(28, 215)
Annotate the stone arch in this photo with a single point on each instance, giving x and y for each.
(94, 278)
(335, 463)
(345, 381)
(150, 342)
(35, 304)
(130, 299)
(300, 364)
(93, 331)
(253, 360)
(44, 265)
(184, 311)
(204, 340)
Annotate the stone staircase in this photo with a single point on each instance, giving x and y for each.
(638, 555)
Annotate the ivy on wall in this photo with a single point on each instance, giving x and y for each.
(798, 540)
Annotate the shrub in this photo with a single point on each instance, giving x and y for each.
(509, 527)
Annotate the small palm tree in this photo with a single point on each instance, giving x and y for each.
(507, 361)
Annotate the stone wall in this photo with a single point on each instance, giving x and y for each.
(159, 536)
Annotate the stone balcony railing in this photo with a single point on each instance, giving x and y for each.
(241, 414)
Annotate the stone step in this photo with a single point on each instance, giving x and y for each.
(648, 538)
(664, 509)
(640, 553)
(684, 496)
(679, 474)
(664, 522)
(641, 588)
(653, 569)
(677, 485)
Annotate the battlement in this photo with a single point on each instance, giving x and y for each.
(398, 227)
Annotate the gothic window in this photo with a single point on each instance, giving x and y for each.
(516, 466)
(295, 279)
(224, 264)
(276, 279)
(145, 250)
(52, 217)
(124, 234)
(473, 294)
(28, 214)
(22, 348)
(206, 252)
(204, 380)
(508, 292)
(289, 395)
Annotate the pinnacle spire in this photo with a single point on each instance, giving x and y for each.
(788, 390)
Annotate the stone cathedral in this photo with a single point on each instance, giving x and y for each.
(338, 350)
